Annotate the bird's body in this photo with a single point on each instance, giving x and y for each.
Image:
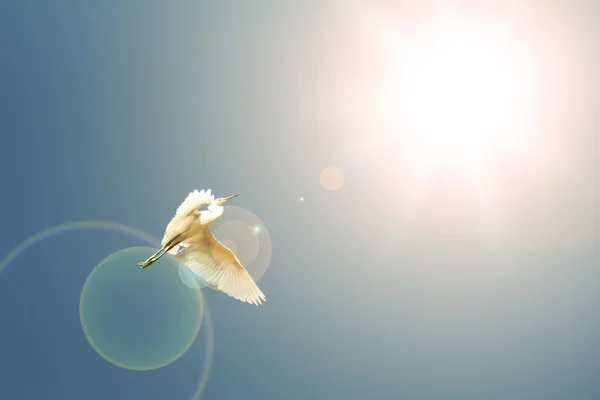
(203, 254)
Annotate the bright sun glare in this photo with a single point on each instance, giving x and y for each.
(452, 113)
(458, 95)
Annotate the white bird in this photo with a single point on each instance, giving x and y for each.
(203, 254)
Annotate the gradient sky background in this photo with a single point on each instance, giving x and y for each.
(115, 110)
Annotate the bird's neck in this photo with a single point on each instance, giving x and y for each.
(211, 214)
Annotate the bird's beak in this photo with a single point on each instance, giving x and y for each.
(230, 197)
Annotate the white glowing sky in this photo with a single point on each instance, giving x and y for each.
(459, 95)
(455, 114)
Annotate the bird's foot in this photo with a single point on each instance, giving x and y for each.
(144, 264)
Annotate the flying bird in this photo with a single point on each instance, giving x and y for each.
(189, 239)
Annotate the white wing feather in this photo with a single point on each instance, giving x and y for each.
(193, 201)
(219, 268)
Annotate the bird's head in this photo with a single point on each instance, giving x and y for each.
(223, 200)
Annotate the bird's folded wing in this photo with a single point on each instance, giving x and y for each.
(220, 269)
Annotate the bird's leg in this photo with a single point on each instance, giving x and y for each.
(155, 254)
(154, 258)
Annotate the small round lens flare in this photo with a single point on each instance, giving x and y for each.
(332, 178)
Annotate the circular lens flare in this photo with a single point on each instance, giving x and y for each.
(207, 353)
(240, 237)
(248, 237)
(73, 227)
(332, 178)
(139, 319)
(190, 279)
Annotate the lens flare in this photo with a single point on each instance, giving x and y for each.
(208, 335)
(110, 226)
(139, 319)
(248, 237)
(332, 178)
(76, 226)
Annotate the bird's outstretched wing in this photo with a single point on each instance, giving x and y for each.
(219, 268)
(193, 201)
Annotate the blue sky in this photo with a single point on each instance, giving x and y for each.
(116, 110)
